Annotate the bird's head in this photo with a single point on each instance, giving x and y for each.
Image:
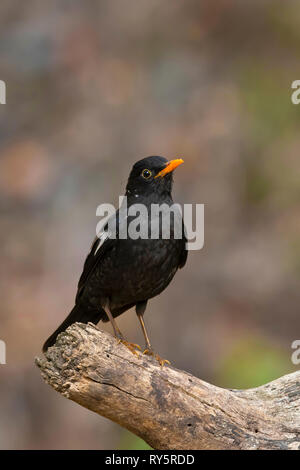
(152, 175)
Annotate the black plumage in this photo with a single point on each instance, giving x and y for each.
(122, 273)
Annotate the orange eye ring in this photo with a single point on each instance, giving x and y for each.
(146, 173)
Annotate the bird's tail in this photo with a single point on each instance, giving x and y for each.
(77, 314)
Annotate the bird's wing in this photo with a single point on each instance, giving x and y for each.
(101, 245)
(184, 254)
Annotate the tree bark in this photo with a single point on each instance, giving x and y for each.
(169, 408)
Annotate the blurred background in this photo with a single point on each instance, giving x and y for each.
(92, 87)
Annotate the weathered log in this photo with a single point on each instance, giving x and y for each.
(169, 408)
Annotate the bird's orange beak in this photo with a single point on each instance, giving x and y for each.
(170, 166)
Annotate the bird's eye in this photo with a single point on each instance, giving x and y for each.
(146, 174)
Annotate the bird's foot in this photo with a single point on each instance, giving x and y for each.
(94, 325)
(150, 352)
(131, 346)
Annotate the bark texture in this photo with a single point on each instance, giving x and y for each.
(169, 408)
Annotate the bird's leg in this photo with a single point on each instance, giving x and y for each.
(140, 309)
(131, 346)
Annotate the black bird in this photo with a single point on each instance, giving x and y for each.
(122, 273)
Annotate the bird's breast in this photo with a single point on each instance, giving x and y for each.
(139, 269)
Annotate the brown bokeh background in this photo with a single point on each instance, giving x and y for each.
(93, 86)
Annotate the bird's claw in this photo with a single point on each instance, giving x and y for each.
(161, 361)
(131, 346)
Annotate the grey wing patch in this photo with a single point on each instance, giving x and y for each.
(100, 245)
(102, 236)
(109, 230)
